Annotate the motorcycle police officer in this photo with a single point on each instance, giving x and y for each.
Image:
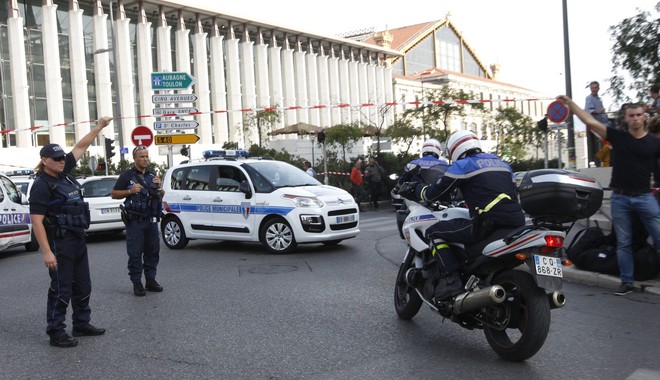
(486, 185)
(59, 218)
(141, 213)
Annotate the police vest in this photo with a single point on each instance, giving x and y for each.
(145, 203)
(67, 208)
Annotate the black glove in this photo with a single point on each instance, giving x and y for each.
(407, 190)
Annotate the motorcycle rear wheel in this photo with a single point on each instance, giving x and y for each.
(524, 317)
(406, 300)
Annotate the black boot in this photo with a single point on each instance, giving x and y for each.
(450, 285)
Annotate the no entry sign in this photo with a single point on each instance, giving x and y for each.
(557, 112)
(142, 136)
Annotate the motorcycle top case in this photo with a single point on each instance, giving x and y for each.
(559, 196)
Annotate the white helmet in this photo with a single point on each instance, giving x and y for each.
(431, 146)
(461, 142)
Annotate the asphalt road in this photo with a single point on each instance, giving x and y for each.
(232, 311)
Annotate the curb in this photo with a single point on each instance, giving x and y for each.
(573, 274)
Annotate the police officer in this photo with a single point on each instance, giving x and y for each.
(486, 185)
(431, 166)
(59, 219)
(142, 207)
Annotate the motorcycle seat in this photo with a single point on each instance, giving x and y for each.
(476, 249)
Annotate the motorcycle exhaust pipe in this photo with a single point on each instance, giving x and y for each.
(557, 299)
(479, 298)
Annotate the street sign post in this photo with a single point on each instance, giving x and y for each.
(142, 136)
(175, 124)
(176, 139)
(173, 111)
(171, 81)
(174, 98)
(557, 112)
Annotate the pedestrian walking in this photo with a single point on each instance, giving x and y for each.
(143, 205)
(635, 152)
(307, 167)
(59, 217)
(374, 173)
(358, 183)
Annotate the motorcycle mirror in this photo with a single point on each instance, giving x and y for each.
(410, 168)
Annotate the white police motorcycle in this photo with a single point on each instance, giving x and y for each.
(513, 277)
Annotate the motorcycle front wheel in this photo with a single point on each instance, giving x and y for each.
(519, 325)
(406, 300)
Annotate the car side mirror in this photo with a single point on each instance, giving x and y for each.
(244, 187)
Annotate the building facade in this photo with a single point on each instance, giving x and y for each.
(66, 62)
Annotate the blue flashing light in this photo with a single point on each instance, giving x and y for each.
(224, 153)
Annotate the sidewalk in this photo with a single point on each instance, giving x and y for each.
(572, 274)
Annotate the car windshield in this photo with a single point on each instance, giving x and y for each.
(98, 188)
(279, 174)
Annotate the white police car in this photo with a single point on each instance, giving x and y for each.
(257, 200)
(15, 224)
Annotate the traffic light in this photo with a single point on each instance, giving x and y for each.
(109, 148)
(101, 167)
(543, 124)
(185, 151)
(321, 137)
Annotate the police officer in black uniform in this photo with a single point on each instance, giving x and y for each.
(59, 218)
(142, 209)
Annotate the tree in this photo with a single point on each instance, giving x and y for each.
(635, 54)
(261, 121)
(430, 114)
(514, 132)
(403, 132)
(343, 136)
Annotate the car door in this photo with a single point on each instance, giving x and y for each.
(195, 202)
(14, 216)
(232, 217)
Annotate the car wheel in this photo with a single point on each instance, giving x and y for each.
(33, 245)
(173, 233)
(277, 236)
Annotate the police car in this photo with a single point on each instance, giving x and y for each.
(254, 200)
(15, 224)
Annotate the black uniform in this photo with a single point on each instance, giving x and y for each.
(142, 235)
(66, 216)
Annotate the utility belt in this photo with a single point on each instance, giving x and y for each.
(128, 215)
(73, 217)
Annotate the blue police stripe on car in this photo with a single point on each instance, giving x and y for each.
(7, 219)
(229, 209)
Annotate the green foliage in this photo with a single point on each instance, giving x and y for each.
(430, 115)
(514, 132)
(636, 55)
(282, 155)
(403, 132)
(343, 136)
(263, 121)
(230, 145)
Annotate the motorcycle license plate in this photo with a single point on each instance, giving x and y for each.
(548, 266)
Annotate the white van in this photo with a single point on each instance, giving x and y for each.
(257, 200)
(15, 225)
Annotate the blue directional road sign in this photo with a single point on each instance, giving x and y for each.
(171, 81)
(176, 124)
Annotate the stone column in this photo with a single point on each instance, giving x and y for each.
(19, 83)
(53, 72)
(145, 66)
(334, 96)
(324, 88)
(125, 73)
(233, 76)
(202, 89)
(301, 83)
(312, 85)
(218, 91)
(78, 71)
(275, 74)
(248, 85)
(288, 75)
(102, 80)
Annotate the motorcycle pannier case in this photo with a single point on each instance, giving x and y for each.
(559, 196)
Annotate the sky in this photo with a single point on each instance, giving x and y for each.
(524, 36)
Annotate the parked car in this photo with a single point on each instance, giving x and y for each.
(15, 224)
(104, 211)
(254, 200)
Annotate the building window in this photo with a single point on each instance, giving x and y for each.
(449, 50)
(420, 57)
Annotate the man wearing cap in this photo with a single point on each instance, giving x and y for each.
(59, 218)
(143, 206)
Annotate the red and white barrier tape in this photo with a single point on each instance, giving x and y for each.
(337, 173)
(294, 108)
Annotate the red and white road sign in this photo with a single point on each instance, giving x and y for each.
(557, 112)
(142, 136)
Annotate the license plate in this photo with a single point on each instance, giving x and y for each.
(114, 210)
(345, 219)
(548, 266)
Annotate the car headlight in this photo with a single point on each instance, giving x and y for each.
(301, 201)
